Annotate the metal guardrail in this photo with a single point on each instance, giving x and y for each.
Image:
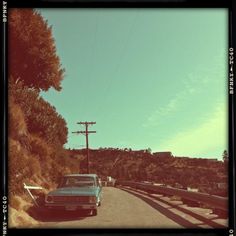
(214, 201)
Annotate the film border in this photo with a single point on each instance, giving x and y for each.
(229, 4)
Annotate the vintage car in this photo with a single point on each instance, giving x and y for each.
(76, 192)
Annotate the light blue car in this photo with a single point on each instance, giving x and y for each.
(76, 192)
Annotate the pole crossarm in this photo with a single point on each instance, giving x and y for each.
(87, 123)
(84, 132)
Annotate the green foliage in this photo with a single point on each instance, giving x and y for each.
(41, 118)
(225, 156)
(32, 51)
(40, 148)
(37, 132)
(35, 155)
(17, 127)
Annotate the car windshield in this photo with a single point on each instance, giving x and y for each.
(78, 181)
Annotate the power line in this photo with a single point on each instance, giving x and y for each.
(118, 65)
(86, 132)
(91, 61)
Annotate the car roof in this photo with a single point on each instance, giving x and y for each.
(77, 175)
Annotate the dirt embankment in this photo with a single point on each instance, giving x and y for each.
(18, 216)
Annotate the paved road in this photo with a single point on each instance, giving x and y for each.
(119, 209)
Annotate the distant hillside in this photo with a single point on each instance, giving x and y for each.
(204, 174)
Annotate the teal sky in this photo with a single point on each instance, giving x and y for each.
(149, 77)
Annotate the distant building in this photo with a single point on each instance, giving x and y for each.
(222, 185)
(163, 154)
(178, 185)
(158, 184)
(192, 189)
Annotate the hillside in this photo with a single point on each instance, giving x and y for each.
(204, 174)
(36, 131)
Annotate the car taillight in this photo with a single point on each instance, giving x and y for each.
(49, 199)
(92, 199)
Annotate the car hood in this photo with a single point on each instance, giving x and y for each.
(78, 191)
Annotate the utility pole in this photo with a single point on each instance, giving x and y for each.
(86, 133)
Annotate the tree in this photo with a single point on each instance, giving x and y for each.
(149, 150)
(225, 156)
(32, 51)
(41, 118)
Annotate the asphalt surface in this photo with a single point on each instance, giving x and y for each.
(119, 209)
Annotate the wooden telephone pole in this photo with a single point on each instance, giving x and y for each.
(86, 133)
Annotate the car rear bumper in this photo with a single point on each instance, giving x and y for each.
(71, 207)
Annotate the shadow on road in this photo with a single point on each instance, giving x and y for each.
(165, 211)
(45, 215)
(180, 220)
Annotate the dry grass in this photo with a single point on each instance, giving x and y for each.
(20, 219)
(17, 127)
(34, 162)
(19, 203)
